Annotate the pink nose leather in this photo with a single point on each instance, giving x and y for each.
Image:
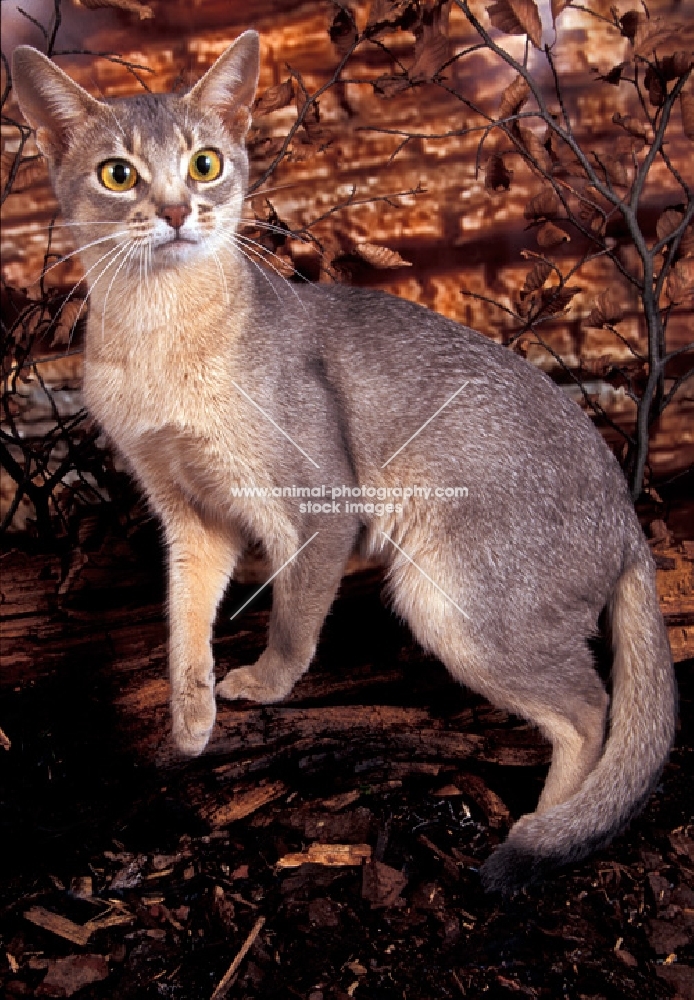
(175, 215)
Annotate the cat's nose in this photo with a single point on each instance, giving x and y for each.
(175, 215)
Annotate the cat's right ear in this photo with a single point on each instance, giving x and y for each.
(50, 101)
(229, 86)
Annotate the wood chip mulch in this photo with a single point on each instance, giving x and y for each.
(323, 849)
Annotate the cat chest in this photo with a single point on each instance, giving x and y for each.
(182, 429)
(133, 400)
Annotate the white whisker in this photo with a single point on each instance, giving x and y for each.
(129, 250)
(261, 252)
(84, 225)
(231, 240)
(249, 246)
(223, 277)
(262, 224)
(86, 246)
(72, 290)
(113, 115)
(109, 253)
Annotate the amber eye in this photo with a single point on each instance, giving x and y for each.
(117, 175)
(205, 165)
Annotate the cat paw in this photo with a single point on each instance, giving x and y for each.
(193, 716)
(244, 683)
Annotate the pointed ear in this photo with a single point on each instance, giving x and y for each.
(50, 101)
(229, 86)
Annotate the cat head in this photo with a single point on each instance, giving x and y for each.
(157, 172)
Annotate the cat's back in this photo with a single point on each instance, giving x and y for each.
(388, 355)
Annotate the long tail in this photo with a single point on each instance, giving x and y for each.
(642, 726)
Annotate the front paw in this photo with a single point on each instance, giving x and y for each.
(245, 683)
(193, 714)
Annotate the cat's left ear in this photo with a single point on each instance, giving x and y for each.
(229, 86)
(50, 101)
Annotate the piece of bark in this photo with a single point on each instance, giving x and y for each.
(353, 826)
(331, 855)
(76, 933)
(337, 802)
(67, 975)
(243, 804)
(497, 815)
(381, 884)
(450, 866)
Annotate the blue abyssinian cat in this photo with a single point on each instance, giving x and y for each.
(214, 378)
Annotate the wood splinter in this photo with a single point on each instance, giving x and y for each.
(225, 983)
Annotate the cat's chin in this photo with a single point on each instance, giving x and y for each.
(177, 250)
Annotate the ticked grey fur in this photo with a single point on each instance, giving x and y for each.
(209, 373)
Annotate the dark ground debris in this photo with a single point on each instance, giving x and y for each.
(121, 879)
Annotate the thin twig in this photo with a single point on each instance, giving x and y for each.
(226, 982)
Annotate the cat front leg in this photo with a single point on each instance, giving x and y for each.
(201, 559)
(302, 594)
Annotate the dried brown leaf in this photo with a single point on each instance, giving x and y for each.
(617, 167)
(274, 98)
(555, 300)
(549, 235)
(517, 17)
(655, 33)
(687, 110)
(565, 160)
(264, 145)
(679, 287)
(536, 278)
(303, 101)
(557, 7)
(343, 31)
(514, 97)
(388, 14)
(655, 87)
(432, 47)
(535, 148)
(389, 86)
(614, 76)
(312, 131)
(134, 6)
(591, 210)
(669, 221)
(522, 346)
(630, 22)
(380, 257)
(676, 65)
(599, 366)
(543, 205)
(497, 176)
(606, 311)
(629, 374)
